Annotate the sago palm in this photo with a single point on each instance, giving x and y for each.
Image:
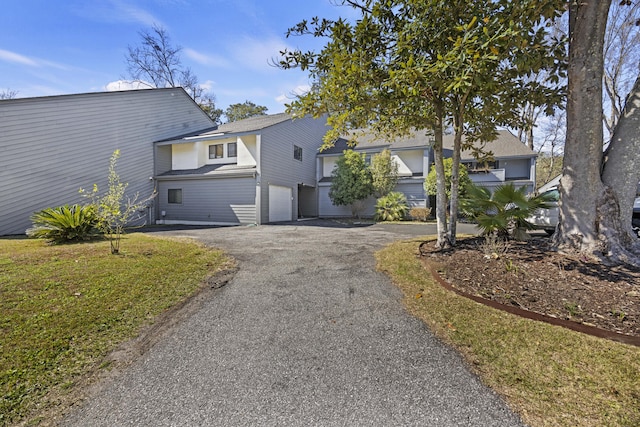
(505, 211)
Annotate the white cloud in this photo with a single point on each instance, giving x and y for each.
(126, 85)
(16, 58)
(131, 13)
(298, 90)
(204, 59)
(258, 54)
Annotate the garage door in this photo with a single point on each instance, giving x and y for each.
(279, 203)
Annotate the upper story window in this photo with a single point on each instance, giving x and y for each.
(216, 151)
(297, 152)
(223, 150)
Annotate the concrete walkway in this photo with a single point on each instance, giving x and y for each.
(306, 334)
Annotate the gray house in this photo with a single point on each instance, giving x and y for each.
(253, 171)
(52, 146)
(512, 162)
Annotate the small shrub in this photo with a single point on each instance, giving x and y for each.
(420, 214)
(392, 207)
(494, 246)
(64, 223)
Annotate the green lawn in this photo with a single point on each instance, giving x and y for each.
(550, 375)
(63, 308)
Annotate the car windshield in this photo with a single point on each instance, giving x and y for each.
(552, 195)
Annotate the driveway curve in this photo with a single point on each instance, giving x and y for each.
(307, 333)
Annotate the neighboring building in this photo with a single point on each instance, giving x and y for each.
(254, 171)
(52, 146)
(512, 161)
(257, 170)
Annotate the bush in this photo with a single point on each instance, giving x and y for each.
(392, 207)
(420, 214)
(503, 212)
(64, 223)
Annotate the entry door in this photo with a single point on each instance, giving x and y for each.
(279, 203)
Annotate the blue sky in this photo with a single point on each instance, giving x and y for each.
(54, 47)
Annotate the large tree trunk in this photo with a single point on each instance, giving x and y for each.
(581, 185)
(621, 170)
(441, 195)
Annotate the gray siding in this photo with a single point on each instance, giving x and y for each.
(327, 209)
(222, 200)
(277, 165)
(52, 146)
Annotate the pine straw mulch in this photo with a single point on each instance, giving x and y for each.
(531, 276)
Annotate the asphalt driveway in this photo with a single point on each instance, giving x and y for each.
(307, 333)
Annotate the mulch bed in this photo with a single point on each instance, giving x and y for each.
(533, 277)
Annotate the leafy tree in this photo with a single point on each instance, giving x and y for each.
(235, 112)
(384, 173)
(157, 62)
(504, 211)
(350, 181)
(411, 66)
(115, 210)
(464, 181)
(391, 207)
(64, 223)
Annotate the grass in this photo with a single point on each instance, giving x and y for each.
(549, 375)
(64, 308)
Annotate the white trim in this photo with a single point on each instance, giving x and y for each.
(181, 222)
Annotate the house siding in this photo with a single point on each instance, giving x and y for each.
(53, 146)
(218, 200)
(278, 166)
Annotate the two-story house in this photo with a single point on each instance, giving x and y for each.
(253, 171)
(54, 145)
(512, 161)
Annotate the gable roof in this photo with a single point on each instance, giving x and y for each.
(255, 123)
(505, 145)
(251, 124)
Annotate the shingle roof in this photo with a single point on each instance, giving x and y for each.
(250, 124)
(253, 123)
(505, 145)
(208, 169)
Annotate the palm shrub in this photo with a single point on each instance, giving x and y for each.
(504, 212)
(392, 207)
(64, 223)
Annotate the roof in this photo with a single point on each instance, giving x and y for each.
(505, 144)
(369, 142)
(209, 169)
(251, 124)
(254, 123)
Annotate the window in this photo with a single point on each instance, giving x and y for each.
(232, 149)
(297, 152)
(175, 195)
(216, 151)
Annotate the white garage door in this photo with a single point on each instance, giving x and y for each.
(279, 203)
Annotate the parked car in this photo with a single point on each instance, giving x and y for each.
(547, 219)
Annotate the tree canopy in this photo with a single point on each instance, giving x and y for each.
(418, 65)
(350, 181)
(244, 110)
